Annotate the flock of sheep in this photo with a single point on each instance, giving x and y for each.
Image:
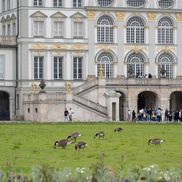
(100, 134)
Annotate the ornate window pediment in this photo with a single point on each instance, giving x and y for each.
(78, 15)
(58, 15)
(38, 14)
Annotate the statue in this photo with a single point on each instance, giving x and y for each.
(68, 87)
(130, 72)
(34, 88)
(101, 72)
(42, 85)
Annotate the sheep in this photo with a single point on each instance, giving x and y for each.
(74, 136)
(80, 145)
(155, 141)
(62, 143)
(118, 129)
(100, 134)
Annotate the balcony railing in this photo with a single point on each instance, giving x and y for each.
(8, 40)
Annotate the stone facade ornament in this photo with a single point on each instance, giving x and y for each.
(68, 87)
(34, 88)
(112, 93)
(101, 72)
(151, 16)
(120, 16)
(91, 15)
(42, 85)
(179, 17)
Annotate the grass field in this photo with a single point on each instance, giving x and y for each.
(28, 145)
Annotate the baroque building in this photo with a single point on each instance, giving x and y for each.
(99, 57)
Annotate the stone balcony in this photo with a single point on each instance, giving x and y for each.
(7, 41)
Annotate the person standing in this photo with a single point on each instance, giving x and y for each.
(66, 114)
(71, 114)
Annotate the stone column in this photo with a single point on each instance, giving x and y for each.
(42, 109)
(12, 108)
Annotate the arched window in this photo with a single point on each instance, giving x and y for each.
(136, 3)
(135, 65)
(105, 63)
(105, 3)
(165, 61)
(105, 29)
(135, 30)
(166, 3)
(165, 31)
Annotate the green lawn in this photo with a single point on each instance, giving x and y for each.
(28, 145)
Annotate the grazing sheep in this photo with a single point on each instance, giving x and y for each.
(62, 143)
(74, 136)
(80, 145)
(155, 141)
(118, 129)
(99, 134)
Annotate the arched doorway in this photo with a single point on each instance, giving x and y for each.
(122, 106)
(147, 99)
(176, 101)
(4, 106)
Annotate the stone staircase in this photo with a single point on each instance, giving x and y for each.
(79, 99)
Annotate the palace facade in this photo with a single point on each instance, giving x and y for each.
(99, 57)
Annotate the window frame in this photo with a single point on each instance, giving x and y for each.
(77, 3)
(105, 5)
(77, 68)
(37, 3)
(58, 67)
(56, 3)
(40, 70)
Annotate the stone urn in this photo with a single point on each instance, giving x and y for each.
(42, 85)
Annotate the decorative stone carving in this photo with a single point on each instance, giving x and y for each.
(101, 72)
(112, 93)
(120, 16)
(39, 46)
(42, 85)
(34, 88)
(59, 46)
(68, 87)
(151, 16)
(179, 17)
(91, 15)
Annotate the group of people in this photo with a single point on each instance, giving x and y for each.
(68, 114)
(155, 114)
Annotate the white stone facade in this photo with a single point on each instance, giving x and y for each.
(77, 41)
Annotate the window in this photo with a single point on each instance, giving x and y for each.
(135, 65)
(3, 5)
(8, 4)
(166, 61)
(77, 68)
(38, 28)
(136, 3)
(58, 3)
(38, 67)
(4, 30)
(105, 62)
(165, 31)
(58, 29)
(58, 67)
(2, 66)
(9, 30)
(77, 3)
(135, 31)
(105, 3)
(14, 29)
(78, 30)
(37, 2)
(166, 4)
(105, 29)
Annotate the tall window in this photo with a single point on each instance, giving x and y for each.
(77, 68)
(136, 3)
(3, 5)
(8, 4)
(58, 3)
(58, 29)
(166, 3)
(4, 30)
(135, 64)
(38, 28)
(166, 61)
(14, 29)
(105, 29)
(2, 66)
(165, 31)
(9, 30)
(105, 3)
(135, 31)
(58, 67)
(77, 3)
(105, 64)
(78, 30)
(38, 67)
(37, 2)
